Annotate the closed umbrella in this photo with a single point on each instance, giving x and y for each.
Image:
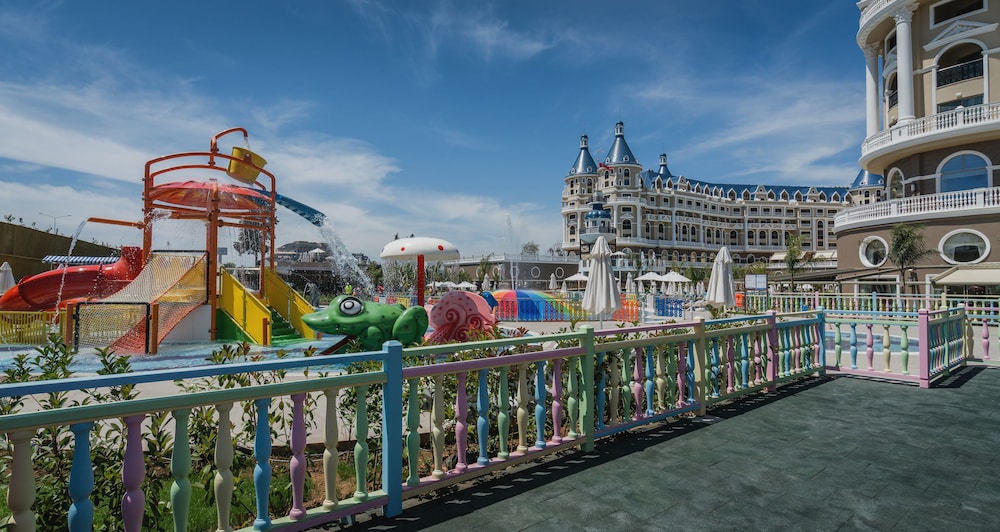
(486, 281)
(553, 283)
(601, 295)
(629, 284)
(721, 288)
(7, 280)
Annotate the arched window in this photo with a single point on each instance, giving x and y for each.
(572, 230)
(774, 238)
(659, 230)
(733, 239)
(627, 229)
(895, 185)
(750, 235)
(964, 172)
(762, 238)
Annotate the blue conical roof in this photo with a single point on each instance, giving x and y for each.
(584, 162)
(867, 179)
(664, 171)
(620, 152)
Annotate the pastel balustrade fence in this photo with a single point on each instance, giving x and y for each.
(483, 406)
(944, 342)
(982, 312)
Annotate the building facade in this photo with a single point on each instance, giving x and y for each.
(662, 221)
(933, 132)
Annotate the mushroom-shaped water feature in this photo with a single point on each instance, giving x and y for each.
(421, 248)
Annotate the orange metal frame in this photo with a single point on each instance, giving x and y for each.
(262, 219)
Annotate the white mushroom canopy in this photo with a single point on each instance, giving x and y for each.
(413, 247)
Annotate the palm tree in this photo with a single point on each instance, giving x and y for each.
(796, 260)
(483, 270)
(907, 249)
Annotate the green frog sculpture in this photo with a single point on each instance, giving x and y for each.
(370, 323)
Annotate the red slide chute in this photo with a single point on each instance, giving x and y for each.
(45, 290)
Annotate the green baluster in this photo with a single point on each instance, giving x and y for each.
(413, 433)
(572, 402)
(361, 444)
(180, 468)
(836, 344)
(904, 353)
(503, 413)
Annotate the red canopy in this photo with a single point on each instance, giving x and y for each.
(199, 194)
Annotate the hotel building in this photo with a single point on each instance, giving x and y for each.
(933, 132)
(660, 221)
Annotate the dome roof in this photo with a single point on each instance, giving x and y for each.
(620, 152)
(584, 162)
(867, 179)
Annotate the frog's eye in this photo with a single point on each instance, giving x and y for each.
(351, 306)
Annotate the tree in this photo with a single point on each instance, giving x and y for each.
(529, 248)
(483, 269)
(907, 249)
(796, 260)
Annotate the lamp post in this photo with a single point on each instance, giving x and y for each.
(54, 228)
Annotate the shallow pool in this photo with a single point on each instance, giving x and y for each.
(169, 356)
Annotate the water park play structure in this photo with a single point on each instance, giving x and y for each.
(133, 304)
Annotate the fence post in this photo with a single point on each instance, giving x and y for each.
(772, 350)
(700, 354)
(821, 339)
(923, 334)
(392, 428)
(587, 406)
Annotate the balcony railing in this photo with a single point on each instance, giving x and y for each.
(962, 72)
(937, 123)
(961, 202)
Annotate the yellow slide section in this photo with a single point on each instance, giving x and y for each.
(248, 312)
(289, 303)
(138, 317)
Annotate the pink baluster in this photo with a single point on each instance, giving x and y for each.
(461, 428)
(557, 406)
(133, 473)
(638, 378)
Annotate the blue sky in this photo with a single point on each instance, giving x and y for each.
(437, 118)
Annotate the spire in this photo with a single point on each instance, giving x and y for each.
(620, 152)
(664, 171)
(584, 162)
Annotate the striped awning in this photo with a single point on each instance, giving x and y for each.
(63, 259)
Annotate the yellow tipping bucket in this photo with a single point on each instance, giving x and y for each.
(244, 168)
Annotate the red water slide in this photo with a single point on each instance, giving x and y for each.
(45, 290)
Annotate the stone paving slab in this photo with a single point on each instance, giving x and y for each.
(828, 453)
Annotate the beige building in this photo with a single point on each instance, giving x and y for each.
(933, 132)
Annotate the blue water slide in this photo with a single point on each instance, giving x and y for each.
(315, 217)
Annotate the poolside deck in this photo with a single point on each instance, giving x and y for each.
(827, 453)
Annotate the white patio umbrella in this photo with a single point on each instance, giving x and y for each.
(486, 281)
(721, 288)
(7, 280)
(578, 277)
(553, 283)
(648, 276)
(601, 295)
(629, 284)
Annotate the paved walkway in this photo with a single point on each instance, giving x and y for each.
(831, 453)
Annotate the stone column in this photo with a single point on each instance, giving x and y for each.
(904, 63)
(872, 95)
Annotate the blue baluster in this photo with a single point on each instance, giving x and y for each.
(650, 353)
(483, 423)
(262, 470)
(81, 480)
(854, 345)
